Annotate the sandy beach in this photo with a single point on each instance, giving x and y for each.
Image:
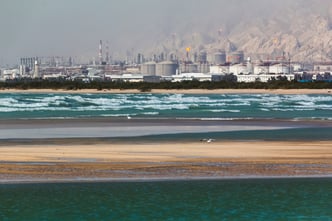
(56, 162)
(189, 91)
(43, 150)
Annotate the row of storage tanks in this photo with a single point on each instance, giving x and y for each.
(168, 68)
(222, 57)
(165, 68)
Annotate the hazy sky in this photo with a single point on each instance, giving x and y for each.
(74, 27)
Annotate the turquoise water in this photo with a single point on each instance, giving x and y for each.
(266, 114)
(211, 106)
(294, 134)
(256, 199)
(266, 199)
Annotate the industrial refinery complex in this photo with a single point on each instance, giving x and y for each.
(186, 66)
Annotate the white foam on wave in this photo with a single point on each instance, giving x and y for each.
(31, 109)
(292, 109)
(150, 113)
(7, 109)
(297, 97)
(180, 98)
(322, 98)
(118, 115)
(306, 103)
(225, 110)
(239, 104)
(216, 105)
(151, 101)
(167, 107)
(106, 102)
(7, 102)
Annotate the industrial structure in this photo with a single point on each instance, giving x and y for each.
(170, 66)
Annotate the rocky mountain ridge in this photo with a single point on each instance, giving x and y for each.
(301, 32)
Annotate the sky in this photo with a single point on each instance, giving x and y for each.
(74, 27)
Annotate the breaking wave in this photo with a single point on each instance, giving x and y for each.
(230, 106)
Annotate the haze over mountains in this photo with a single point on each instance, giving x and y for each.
(301, 29)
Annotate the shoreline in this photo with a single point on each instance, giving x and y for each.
(122, 130)
(155, 180)
(109, 162)
(174, 91)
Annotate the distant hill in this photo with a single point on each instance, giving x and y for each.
(301, 29)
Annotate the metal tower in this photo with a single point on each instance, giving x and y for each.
(100, 52)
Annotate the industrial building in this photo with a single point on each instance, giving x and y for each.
(169, 66)
(220, 58)
(166, 68)
(149, 68)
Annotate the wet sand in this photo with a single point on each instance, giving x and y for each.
(107, 160)
(123, 127)
(57, 160)
(189, 91)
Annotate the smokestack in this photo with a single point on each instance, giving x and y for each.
(36, 69)
(107, 53)
(100, 52)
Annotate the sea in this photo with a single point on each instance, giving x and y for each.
(246, 199)
(194, 106)
(163, 117)
(167, 116)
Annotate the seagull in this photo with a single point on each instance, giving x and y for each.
(208, 140)
(128, 117)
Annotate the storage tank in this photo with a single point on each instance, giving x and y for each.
(148, 68)
(220, 58)
(202, 57)
(236, 57)
(204, 68)
(166, 68)
(188, 68)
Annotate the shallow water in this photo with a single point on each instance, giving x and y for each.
(257, 199)
(247, 199)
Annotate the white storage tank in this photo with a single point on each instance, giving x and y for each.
(166, 68)
(148, 68)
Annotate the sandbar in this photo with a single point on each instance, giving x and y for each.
(178, 160)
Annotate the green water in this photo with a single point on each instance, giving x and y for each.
(293, 134)
(222, 106)
(256, 199)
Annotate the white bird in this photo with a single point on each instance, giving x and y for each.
(208, 140)
(128, 117)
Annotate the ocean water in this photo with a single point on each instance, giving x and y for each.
(247, 199)
(220, 116)
(187, 117)
(209, 106)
